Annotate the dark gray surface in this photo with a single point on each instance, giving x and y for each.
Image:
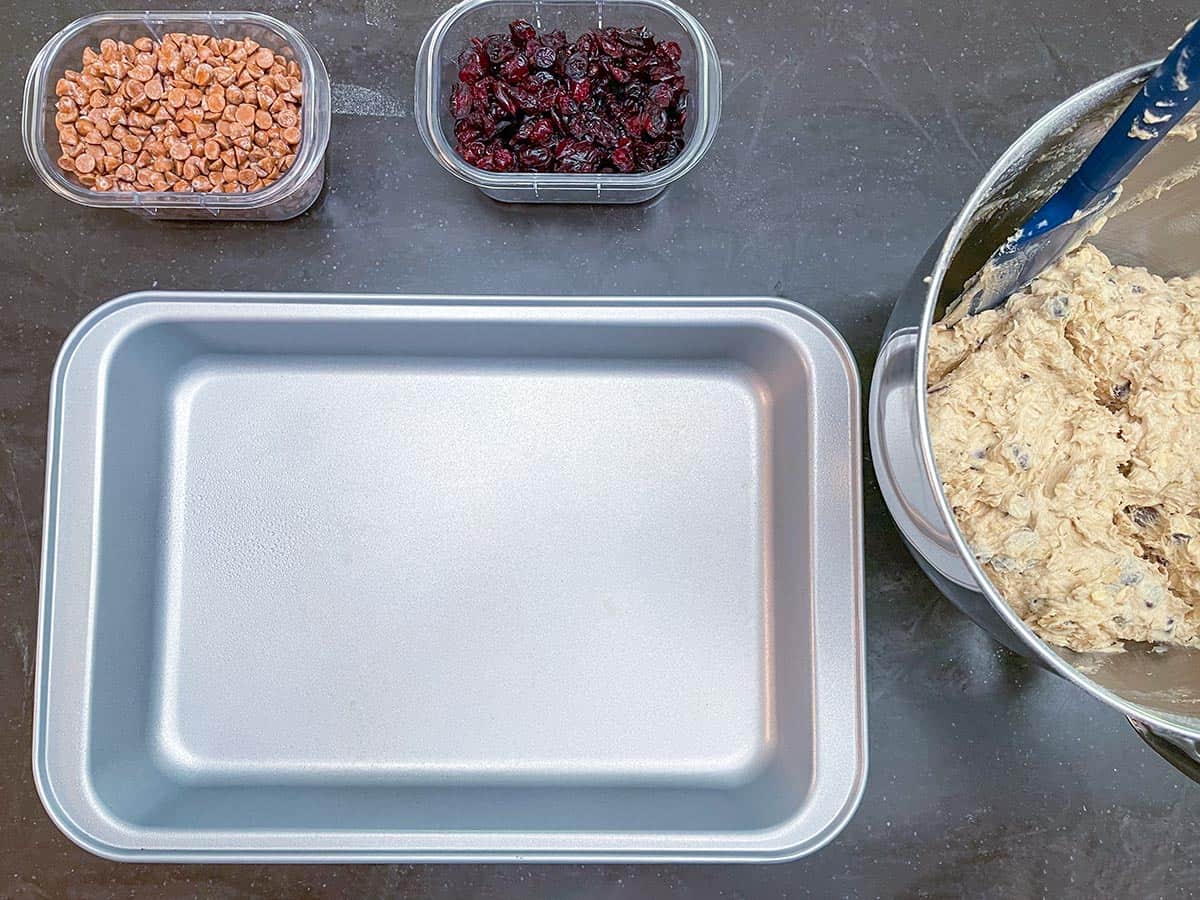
(851, 133)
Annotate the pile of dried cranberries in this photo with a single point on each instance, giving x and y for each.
(612, 101)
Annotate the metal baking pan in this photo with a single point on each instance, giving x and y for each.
(382, 578)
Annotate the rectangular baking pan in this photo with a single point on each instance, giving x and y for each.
(383, 578)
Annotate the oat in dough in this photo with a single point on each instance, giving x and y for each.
(1066, 427)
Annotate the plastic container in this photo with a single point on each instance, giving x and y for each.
(289, 196)
(437, 71)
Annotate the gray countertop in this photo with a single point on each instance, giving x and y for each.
(851, 133)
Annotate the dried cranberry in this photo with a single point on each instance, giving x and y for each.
(581, 90)
(619, 75)
(636, 37)
(542, 134)
(622, 156)
(534, 157)
(576, 67)
(681, 105)
(472, 152)
(505, 99)
(576, 156)
(603, 133)
(668, 50)
(466, 133)
(461, 101)
(527, 100)
(588, 44)
(610, 45)
(522, 31)
(636, 61)
(538, 132)
(497, 159)
(485, 122)
(555, 39)
(515, 68)
(662, 95)
(542, 57)
(499, 47)
(471, 65)
(656, 126)
(566, 105)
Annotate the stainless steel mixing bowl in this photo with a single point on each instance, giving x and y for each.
(1158, 692)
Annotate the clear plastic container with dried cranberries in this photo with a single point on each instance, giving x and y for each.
(653, 143)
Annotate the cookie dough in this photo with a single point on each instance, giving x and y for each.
(1066, 428)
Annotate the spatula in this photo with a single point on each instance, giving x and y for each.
(1066, 219)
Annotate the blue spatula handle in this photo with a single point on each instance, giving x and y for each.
(1172, 90)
